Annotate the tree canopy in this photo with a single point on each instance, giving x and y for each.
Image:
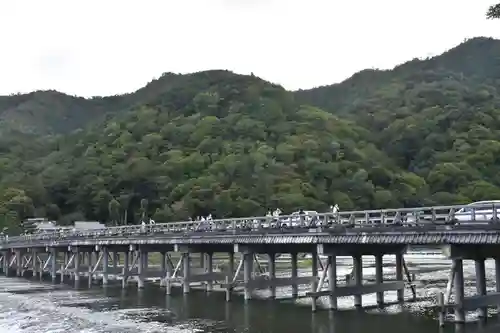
(493, 11)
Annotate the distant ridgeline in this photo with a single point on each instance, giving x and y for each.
(214, 142)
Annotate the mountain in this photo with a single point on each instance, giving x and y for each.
(476, 60)
(52, 112)
(46, 112)
(438, 118)
(216, 142)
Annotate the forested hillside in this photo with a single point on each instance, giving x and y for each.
(216, 142)
(438, 118)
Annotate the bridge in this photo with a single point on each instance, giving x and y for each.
(127, 253)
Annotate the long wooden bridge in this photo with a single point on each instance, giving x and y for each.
(124, 253)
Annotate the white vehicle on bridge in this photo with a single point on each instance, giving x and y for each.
(481, 212)
(298, 218)
(478, 212)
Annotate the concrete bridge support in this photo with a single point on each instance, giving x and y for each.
(247, 274)
(163, 269)
(208, 266)
(314, 273)
(142, 267)
(272, 274)
(379, 277)
(332, 281)
(497, 279)
(459, 291)
(399, 276)
(263, 277)
(116, 260)
(35, 262)
(92, 259)
(125, 270)
(77, 261)
(358, 278)
(482, 300)
(229, 276)
(294, 274)
(186, 269)
(62, 266)
(170, 269)
(105, 264)
(481, 285)
(5, 262)
(19, 263)
(53, 264)
(357, 288)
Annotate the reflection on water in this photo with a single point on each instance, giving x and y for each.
(31, 306)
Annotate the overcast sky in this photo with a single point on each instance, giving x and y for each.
(103, 47)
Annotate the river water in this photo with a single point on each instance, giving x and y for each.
(33, 306)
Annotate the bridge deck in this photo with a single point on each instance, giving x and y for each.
(441, 225)
(409, 236)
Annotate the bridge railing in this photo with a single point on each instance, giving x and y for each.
(476, 215)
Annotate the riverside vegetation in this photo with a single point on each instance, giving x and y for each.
(425, 133)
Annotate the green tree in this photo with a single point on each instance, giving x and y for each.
(493, 12)
(114, 209)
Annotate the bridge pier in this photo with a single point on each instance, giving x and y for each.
(481, 285)
(6, 261)
(77, 261)
(62, 266)
(459, 291)
(92, 260)
(229, 276)
(34, 262)
(141, 269)
(125, 270)
(169, 271)
(247, 274)
(53, 264)
(332, 281)
(186, 271)
(294, 274)
(399, 276)
(163, 269)
(358, 288)
(379, 277)
(497, 280)
(358, 278)
(314, 271)
(256, 277)
(105, 265)
(272, 274)
(116, 261)
(19, 263)
(28, 267)
(68, 260)
(208, 265)
(482, 300)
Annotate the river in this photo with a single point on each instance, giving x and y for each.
(33, 306)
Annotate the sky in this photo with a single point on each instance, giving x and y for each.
(106, 47)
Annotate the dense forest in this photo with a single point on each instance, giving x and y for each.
(426, 132)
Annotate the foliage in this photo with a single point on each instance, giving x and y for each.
(493, 11)
(427, 132)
